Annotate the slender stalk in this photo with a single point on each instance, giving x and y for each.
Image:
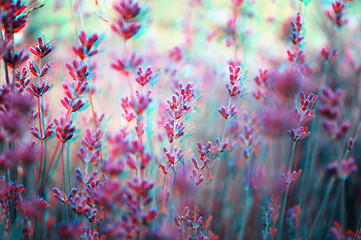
(14, 67)
(41, 125)
(163, 197)
(73, 17)
(44, 165)
(245, 215)
(80, 15)
(358, 224)
(226, 122)
(51, 163)
(195, 212)
(63, 170)
(333, 212)
(343, 207)
(52, 168)
(225, 182)
(287, 189)
(6, 74)
(323, 205)
(68, 165)
(235, 15)
(223, 136)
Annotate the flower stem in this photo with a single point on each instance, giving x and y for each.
(287, 189)
(323, 205)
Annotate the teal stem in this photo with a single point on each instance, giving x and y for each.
(343, 207)
(287, 189)
(55, 165)
(44, 164)
(68, 164)
(224, 187)
(322, 207)
(358, 223)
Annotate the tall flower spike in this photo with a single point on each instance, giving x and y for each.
(296, 25)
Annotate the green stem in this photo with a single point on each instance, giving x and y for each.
(245, 215)
(323, 205)
(54, 167)
(224, 188)
(358, 223)
(195, 212)
(68, 164)
(343, 207)
(287, 188)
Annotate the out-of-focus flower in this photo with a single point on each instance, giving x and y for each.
(175, 54)
(126, 29)
(128, 9)
(296, 56)
(337, 233)
(330, 102)
(127, 65)
(197, 177)
(228, 112)
(331, 109)
(287, 84)
(27, 153)
(329, 55)
(140, 102)
(343, 170)
(144, 78)
(276, 120)
(33, 207)
(337, 16)
(296, 25)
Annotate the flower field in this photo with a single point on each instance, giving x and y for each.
(184, 119)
